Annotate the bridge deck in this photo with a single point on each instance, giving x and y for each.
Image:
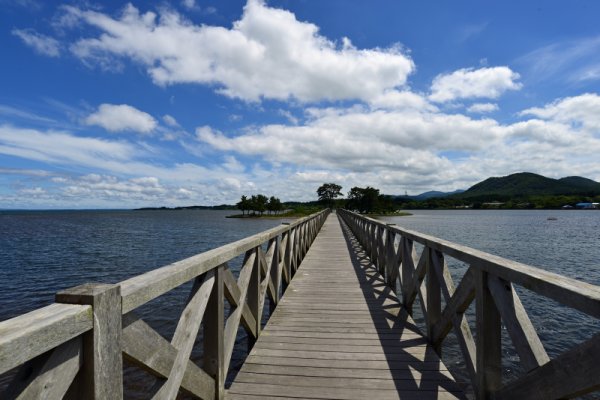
(340, 333)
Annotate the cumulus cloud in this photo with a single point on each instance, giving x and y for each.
(121, 117)
(268, 53)
(582, 110)
(474, 83)
(481, 108)
(361, 139)
(42, 44)
(394, 149)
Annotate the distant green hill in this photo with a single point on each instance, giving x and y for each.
(525, 184)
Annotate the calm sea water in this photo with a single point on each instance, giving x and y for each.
(42, 252)
(46, 251)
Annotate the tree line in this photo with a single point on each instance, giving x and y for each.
(259, 203)
(365, 200)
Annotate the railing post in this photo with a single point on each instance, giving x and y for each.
(434, 298)
(214, 319)
(408, 267)
(489, 355)
(390, 259)
(102, 370)
(276, 274)
(254, 294)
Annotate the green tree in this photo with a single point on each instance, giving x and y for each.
(274, 205)
(327, 193)
(260, 204)
(243, 204)
(367, 200)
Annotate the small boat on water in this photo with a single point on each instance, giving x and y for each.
(551, 218)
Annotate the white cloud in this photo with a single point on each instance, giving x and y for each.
(42, 44)
(361, 140)
(63, 148)
(268, 53)
(582, 110)
(169, 120)
(474, 83)
(481, 108)
(189, 4)
(401, 149)
(401, 100)
(121, 117)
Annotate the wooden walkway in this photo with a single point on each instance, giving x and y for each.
(339, 333)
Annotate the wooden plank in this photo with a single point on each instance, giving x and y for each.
(334, 373)
(571, 374)
(214, 345)
(29, 335)
(339, 393)
(52, 378)
(102, 371)
(409, 384)
(524, 337)
(459, 321)
(233, 321)
(185, 335)
(457, 305)
(489, 354)
(434, 296)
(232, 294)
(147, 349)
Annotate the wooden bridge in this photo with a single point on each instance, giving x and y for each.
(341, 289)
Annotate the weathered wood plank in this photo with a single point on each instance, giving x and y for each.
(232, 294)
(147, 349)
(52, 378)
(489, 354)
(524, 337)
(102, 370)
(573, 373)
(185, 335)
(29, 335)
(214, 340)
(339, 393)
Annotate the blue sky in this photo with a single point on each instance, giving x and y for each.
(117, 105)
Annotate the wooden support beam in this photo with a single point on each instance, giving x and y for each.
(434, 299)
(214, 359)
(571, 374)
(102, 371)
(489, 354)
(522, 333)
(148, 350)
(48, 376)
(185, 335)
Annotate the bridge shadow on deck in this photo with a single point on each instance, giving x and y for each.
(413, 364)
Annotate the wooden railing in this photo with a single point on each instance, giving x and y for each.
(74, 348)
(489, 280)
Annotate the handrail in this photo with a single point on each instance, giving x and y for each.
(75, 347)
(489, 281)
